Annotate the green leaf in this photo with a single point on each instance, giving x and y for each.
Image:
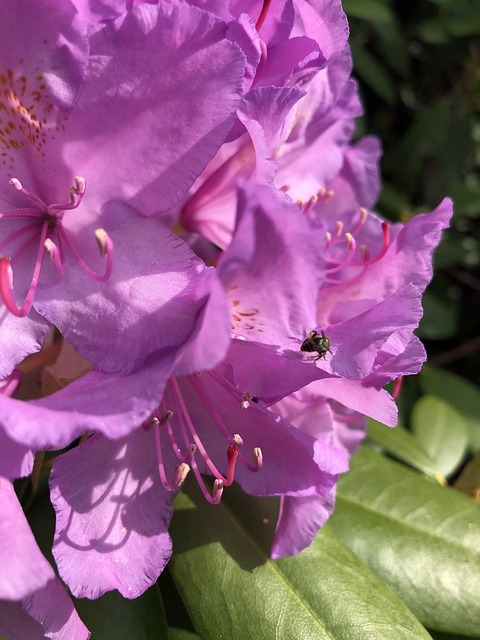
(113, 617)
(401, 444)
(440, 317)
(374, 73)
(181, 634)
(371, 10)
(441, 431)
(233, 590)
(423, 540)
(460, 393)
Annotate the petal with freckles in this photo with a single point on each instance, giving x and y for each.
(163, 83)
(112, 516)
(270, 283)
(151, 303)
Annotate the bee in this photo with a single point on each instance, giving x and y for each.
(316, 342)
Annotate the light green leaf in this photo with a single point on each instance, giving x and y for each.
(460, 393)
(441, 431)
(400, 443)
(423, 540)
(233, 590)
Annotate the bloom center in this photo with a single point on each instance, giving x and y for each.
(42, 226)
(178, 432)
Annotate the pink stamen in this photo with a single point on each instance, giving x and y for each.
(383, 251)
(193, 432)
(16, 184)
(6, 279)
(397, 387)
(263, 14)
(9, 385)
(106, 251)
(347, 261)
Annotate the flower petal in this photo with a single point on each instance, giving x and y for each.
(112, 516)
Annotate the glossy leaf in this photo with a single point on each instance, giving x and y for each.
(401, 444)
(423, 540)
(233, 590)
(460, 393)
(441, 431)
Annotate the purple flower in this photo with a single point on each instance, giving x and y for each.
(33, 603)
(164, 77)
(111, 529)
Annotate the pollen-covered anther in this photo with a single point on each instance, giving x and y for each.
(54, 254)
(181, 473)
(151, 424)
(339, 228)
(167, 416)
(15, 183)
(80, 184)
(217, 492)
(237, 440)
(246, 397)
(350, 242)
(257, 458)
(104, 243)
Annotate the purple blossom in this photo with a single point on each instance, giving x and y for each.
(75, 103)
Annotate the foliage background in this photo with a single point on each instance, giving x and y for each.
(400, 558)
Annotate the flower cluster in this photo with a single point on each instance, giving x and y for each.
(190, 266)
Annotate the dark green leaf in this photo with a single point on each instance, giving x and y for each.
(441, 431)
(112, 617)
(371, 10)
(374, 73)
(440, 317)
(423, 540)
(233, 590)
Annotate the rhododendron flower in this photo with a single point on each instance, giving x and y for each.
(74, 105)
(33, 603)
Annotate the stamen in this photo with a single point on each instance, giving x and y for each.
(75, 196)
(263, 14)
(6, 280)
(9, 385)
(106, 246)
(238, 440)
(232, 454)
(311, 202)
(351, 246)
(16, 184)
(338, 228)
(257, 459)
(397, 387)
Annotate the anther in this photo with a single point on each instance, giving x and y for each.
(181, 473)
(257, 458)
(167, 416)
(338, 228)
(151, 424)
(80, 184)
(14, 182)
(246, 397)
(104, 243)
(54, 254)
(217, 492)
(237, 440)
